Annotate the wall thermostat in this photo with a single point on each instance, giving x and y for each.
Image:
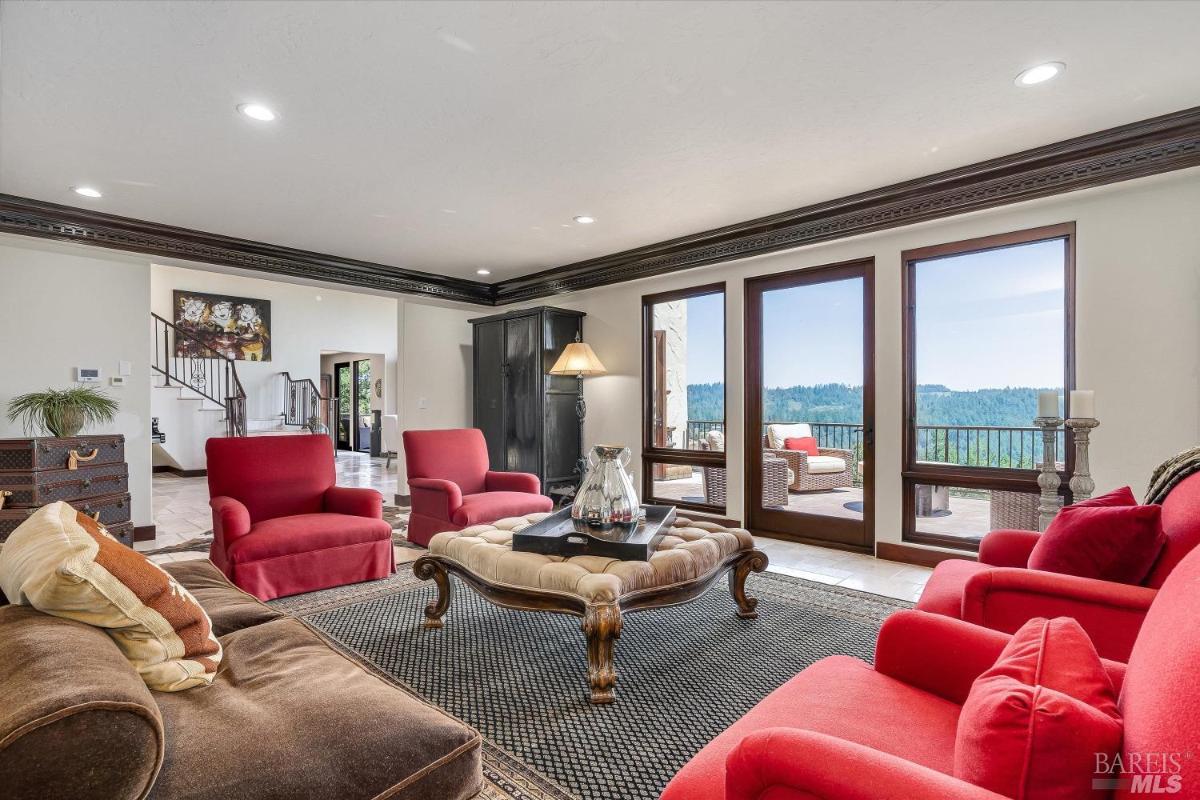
(87, 374)
(118, 380)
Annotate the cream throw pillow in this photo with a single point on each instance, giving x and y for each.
(66, 564)
(778, 432)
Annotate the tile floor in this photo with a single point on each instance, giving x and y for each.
(181, 513)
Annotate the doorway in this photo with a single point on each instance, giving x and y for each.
(810, 405)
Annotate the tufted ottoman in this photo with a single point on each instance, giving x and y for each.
(689, 559)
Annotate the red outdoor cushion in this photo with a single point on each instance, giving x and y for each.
(1030, 742)
(1117, 497)
(806, 443)
(491, 506)
(1108, 543)
(1033, 724)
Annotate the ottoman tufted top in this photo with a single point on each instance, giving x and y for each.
(688, 551)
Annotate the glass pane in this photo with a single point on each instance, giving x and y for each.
(685, 483)
(989, 337)
(968, 514)
(345, 407)
(363, 404)
(687, 373)
(812, 398)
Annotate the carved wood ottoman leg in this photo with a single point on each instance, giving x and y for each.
(602, 627)
(426, 568)
(753, 560)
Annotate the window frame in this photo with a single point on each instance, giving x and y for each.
(995, 478)
(651, 453)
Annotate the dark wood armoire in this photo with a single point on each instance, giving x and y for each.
(527, 415)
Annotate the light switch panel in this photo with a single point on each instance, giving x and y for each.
(124, 367)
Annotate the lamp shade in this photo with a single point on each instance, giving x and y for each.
(578, 359)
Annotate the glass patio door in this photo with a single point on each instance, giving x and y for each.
(810, 405)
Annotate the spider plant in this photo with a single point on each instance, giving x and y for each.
(62, 412)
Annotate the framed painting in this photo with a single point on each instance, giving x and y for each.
(235, 327)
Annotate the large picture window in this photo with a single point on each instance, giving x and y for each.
(683, 378)
(988, 326)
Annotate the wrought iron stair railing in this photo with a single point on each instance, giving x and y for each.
(302, 402)
(185, 360)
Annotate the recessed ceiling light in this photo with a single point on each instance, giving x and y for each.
(86, 191)
(585, 220)
(257, 111)
(483, 272)
(1040, 74)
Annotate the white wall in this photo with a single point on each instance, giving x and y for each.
(436, 373)
(1137, 332)
(301, 327)
(63, 307)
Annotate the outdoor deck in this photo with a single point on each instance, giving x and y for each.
(969, 517)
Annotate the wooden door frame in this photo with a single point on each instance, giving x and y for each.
(756, 517)
(993, 478)
(652, 453)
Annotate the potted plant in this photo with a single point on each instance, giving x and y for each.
(63, 413)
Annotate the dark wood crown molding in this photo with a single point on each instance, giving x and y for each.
(1152, 146)
(1149, 147)
(70, 224)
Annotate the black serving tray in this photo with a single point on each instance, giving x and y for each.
(558, 535)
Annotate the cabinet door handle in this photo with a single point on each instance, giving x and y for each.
(74, 458)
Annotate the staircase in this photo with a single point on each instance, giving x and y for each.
(302, 401)
(199, 372)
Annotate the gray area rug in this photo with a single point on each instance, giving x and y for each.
(685, 673)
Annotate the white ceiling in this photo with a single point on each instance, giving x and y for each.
(450, 136)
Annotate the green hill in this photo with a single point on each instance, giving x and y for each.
(836, 402)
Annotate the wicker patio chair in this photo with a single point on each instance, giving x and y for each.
(776, 476)
(805, 479)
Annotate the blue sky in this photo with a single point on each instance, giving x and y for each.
(984, 320)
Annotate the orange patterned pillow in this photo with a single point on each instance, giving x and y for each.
(66, 564)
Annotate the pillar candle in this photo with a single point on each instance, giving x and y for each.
(1083, 404)
(1047, 404)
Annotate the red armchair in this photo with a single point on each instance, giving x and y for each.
(453, 488)
(842, 729)
(281, 526)
(1000, 592)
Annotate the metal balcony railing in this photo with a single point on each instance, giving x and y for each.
(962, 445)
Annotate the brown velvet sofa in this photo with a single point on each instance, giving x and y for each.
(288, 716)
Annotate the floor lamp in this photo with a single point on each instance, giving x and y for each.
(578, 359)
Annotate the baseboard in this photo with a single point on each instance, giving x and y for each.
(183, 473)
(403, 500)
(144, 533)
(920, 556)
(788, 537)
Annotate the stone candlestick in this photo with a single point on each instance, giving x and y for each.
(1048, 480)
(1081, 483)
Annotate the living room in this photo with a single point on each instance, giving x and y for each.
(786, 376)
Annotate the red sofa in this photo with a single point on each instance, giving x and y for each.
(281, 526)
(999, 591)
(452, 486)
(844, 730)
